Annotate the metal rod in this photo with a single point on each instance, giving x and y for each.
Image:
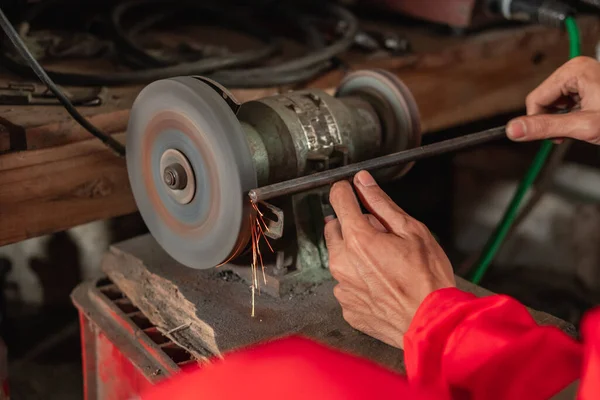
(324, 178)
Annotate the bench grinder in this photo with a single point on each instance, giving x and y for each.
(194, 152)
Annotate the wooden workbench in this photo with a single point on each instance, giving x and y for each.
(208, 312)
(53, 176)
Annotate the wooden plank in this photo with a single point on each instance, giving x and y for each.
(473, 78)
(51, 126)
(467, 62)
(45, 126)
(48, 190)
(214, 309)
(483, 76)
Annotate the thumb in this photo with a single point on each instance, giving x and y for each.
(392, 217)
(581, 125)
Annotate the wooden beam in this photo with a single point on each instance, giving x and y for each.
(483, 76)
(64, 179)
(48, 190)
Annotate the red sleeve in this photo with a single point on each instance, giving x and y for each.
(589, 387)
(292, 369)
(487, 348)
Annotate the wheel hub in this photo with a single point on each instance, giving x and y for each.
(178, 176)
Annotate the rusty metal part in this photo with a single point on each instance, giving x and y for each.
(328, 177)
(274, 225)
(297, 133)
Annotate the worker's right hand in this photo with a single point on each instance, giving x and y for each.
(386, 262)
(576, 83)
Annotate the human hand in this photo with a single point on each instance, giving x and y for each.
(576, 83)
(386, 262)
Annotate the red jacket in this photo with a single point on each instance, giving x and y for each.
(458, 347)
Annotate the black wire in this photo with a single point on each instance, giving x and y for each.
(293, 71)
(298, 69)
(141, 76)
(15, 39)
(127, 46)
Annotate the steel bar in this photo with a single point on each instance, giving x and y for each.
(330, 176)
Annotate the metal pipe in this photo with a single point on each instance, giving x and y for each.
(330, 176)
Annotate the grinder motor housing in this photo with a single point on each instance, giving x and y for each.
(193, 153)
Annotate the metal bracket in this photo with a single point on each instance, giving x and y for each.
(222, 91)
(274, 225)
(337, 158)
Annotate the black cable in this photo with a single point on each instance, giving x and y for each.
(199, 67)
(136, 77)
(126, 44)
(15, 39)
(289, 72)
(300, 68)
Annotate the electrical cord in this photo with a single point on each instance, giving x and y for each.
(15, 39)
(300, 68)
(127, 46)
(219, 69)
(504, 226)
(289, 72)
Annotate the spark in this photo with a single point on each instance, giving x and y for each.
(256, 208)
(262, 265)
(260, 215)
(257, 232)
(255, 244)
(252, 301)
(262, 232)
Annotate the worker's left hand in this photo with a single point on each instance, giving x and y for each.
(386, 262)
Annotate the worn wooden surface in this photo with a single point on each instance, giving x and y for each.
(52, 176)
(212, 310)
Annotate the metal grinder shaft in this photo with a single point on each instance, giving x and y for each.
(330, 176)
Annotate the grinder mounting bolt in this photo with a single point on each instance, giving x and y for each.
(175, 177)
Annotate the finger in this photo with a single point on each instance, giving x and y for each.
(582, 125)
(375, 223)
(346, 206)
(392, 217)
(333, 236)
(565, 81)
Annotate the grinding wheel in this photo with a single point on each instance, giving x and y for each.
(190, 169)
(396, 107)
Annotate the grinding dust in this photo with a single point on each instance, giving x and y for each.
(257, 223)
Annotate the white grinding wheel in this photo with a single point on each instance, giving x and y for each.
(183, 122)
(402, 120)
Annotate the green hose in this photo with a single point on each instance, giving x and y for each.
(503, 227)
(574, 37)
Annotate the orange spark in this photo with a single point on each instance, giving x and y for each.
(256, 232)
(260, 217)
